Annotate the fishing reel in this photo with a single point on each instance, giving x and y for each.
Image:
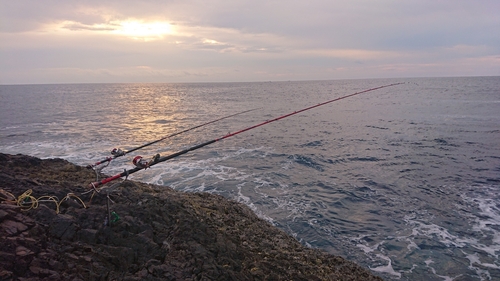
(140, 162)
(116, 152)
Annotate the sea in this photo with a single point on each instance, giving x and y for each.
(403, 180)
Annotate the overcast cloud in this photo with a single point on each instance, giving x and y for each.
(214, 41)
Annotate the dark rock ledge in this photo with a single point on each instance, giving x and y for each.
(161, 234)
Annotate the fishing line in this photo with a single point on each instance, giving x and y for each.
(157, 159)
(118, 152)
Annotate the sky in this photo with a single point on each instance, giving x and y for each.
(163, 41)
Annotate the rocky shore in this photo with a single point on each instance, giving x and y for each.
(52, 228)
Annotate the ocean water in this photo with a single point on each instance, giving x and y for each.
(403, 180)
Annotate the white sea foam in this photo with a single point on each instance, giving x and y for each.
(374, 252)
(411, 244)
(483, 249)
(247, 201)
(242, 198)
(428, 263)
(485, 221)
(488, 223)
(386, 268)
(474, 259)
(481, 272)
(368, 249)
(441, 234)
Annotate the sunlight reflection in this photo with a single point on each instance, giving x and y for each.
(149, 118)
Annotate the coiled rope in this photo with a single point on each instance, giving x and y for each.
(27, 201)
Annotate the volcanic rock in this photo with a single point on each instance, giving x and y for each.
(52, 227)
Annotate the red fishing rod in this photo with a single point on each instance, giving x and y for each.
(118, 152)
(157, 159)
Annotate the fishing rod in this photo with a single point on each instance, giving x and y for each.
(140, 165)
(116, 152)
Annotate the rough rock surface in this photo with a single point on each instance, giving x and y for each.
(156, 234)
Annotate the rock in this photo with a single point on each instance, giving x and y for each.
(158, 234)
(12, 227)
(3, 215)
(87, 235)
(5, 274)
(23, 251)
(62, 227)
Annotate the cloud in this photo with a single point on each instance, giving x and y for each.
(245, 40)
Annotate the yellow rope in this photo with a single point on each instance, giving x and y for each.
(27, 202)
(7, 196)
(73, 195)
(23, 200)
(53, 198)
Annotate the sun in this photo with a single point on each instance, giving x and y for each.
(134, 29)
(142, 30)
